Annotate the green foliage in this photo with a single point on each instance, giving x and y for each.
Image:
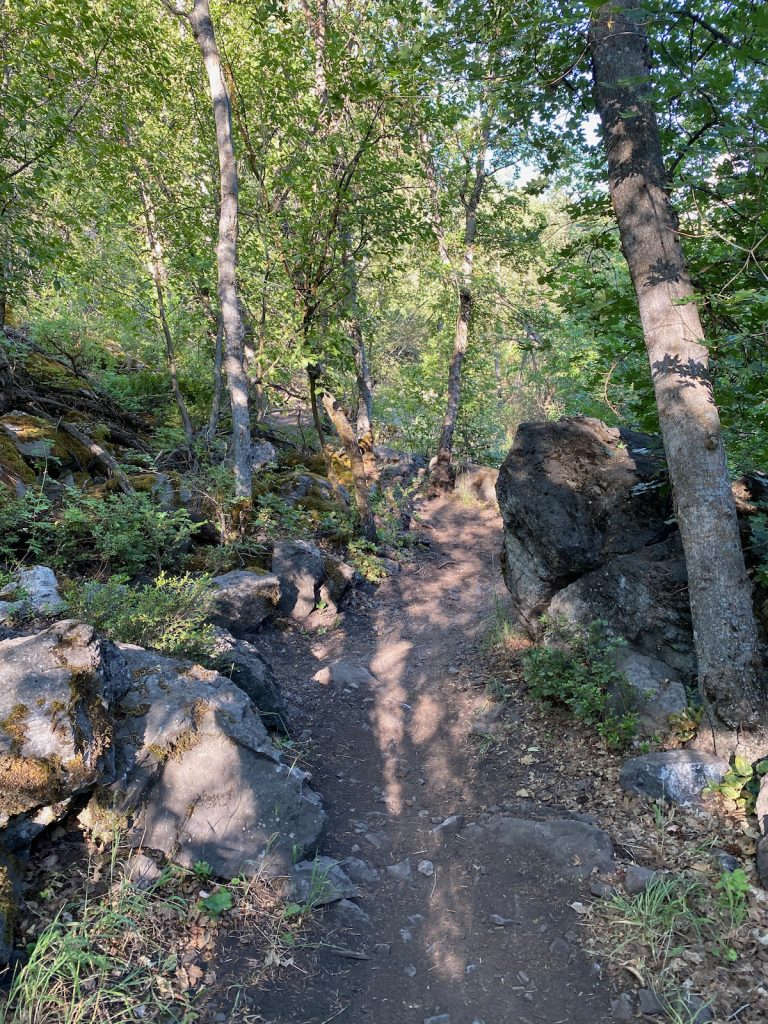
(575, 670)
(216, 904)
(116, 533)
(741, 782)
(362, 555)
(167, 615)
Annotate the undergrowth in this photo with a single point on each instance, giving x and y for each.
(169, 614)
(575, 670)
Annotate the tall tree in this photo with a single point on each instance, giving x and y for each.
(201, 23)
(725, 634)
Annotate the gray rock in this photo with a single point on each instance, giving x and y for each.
(651, 690)
(319, 882)
(649, 1003)
(726, 860)
(637, 879)
(300, 567)
(56, 727)
(344, 673)
(453, 823)
(640, 596)
(262, 454)
(602, 890)
(35, 591)
(243, 600)
(426, 868)
(689, 1007)
(339, 578)
(761, 862)
(382, 948)
(347, 914)
(402, 871)
(560, 948)
(410, 971)
(501, 922)
(10, 899)
(358, 870)
(570, 497)
(240, 661)
(441, 1018)
(623, 1008)
(570, 849)
(761, 806)
(142, 871)
(199, 777)
(679, 776)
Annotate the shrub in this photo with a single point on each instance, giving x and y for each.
(120, 533)
(576, 671)
(168, 615)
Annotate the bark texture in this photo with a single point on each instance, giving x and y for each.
(159, 277)
(349, 441)
(226, 249)
(728, 654)
(442, 473)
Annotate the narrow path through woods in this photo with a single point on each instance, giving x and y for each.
(489, 936)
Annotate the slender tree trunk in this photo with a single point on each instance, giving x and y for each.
(355, 332)
(725, 635)
(442, 474)
(218, 359)
(352, 448)
(159, 277)
(226, 250)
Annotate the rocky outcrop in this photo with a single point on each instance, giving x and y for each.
(241, 662)
(589, 535)
(198, 777)
(308, 575)
(242, 600)
(647, 689)
(56, 727)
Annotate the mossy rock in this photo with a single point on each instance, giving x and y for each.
(310, 461)
(35, 438)
(15, 474)
(45, 370)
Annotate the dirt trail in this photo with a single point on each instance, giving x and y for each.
(391, 760)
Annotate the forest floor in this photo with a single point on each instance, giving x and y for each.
(490, 935)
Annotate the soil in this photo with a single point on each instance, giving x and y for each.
(391, 759)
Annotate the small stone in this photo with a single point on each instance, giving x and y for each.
(622, 1008)
(358, 870)
(426, 867)
(560, 948)
(349, 915)
(320, 881)
(726, 860)
(142, 871)
(500, 921)
(382, 949)
(649, 1003)
(637, 879)
(406, 934)
(410, 970)
(453, 823)
(602, 890)
(441, 1018)
(470, 968)
(402, 871)
(679, 776)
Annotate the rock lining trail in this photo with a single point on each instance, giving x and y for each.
(468, 923)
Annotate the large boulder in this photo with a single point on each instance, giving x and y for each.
(573, 495)
(308, 575)
(242, 600)
(199, 778)
(56, 730)
(241, 662)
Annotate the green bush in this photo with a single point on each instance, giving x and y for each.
(168, 615)
(576, 671)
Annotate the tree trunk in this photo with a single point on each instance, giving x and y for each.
(218, 358)
(442, 474)
(159, 277)
(226, 250)
(725, 635)
(355, 332)
(351, 447)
